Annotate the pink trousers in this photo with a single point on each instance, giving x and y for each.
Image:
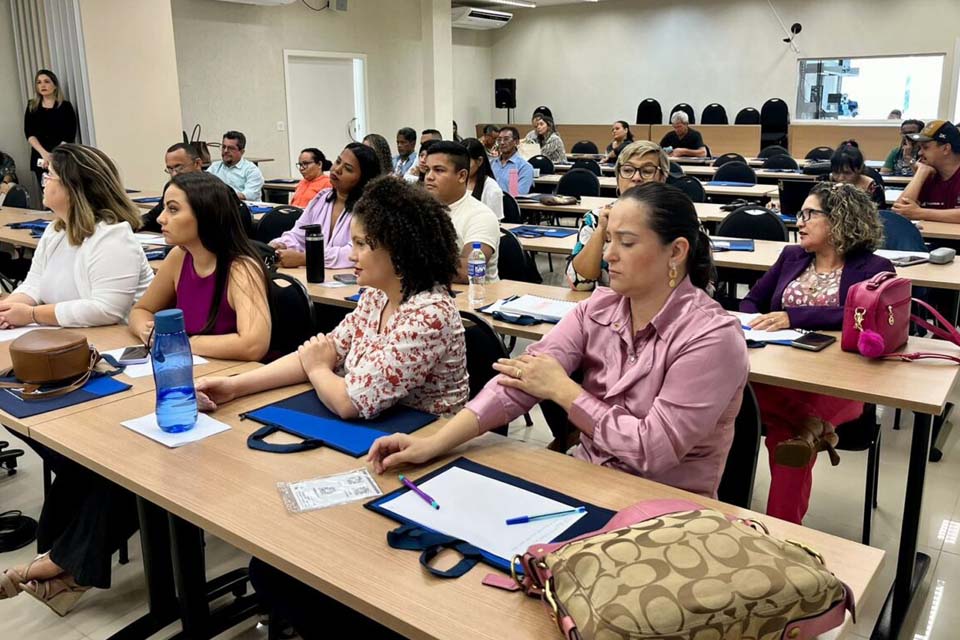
(783, 412)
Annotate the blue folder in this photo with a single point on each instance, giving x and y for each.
(34, 225)
(305, 416)
(259, 208)
(595, 518)
(730, 183)
(146, 200)
(788, 219)
(96, 387)
(531, 231)
(732, 245)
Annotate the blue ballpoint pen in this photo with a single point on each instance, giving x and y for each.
(544, 516)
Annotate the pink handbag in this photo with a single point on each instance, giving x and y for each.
(876, 320)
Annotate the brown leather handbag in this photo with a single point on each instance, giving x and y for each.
(51, 357)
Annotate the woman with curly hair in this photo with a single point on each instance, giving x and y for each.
(806, 288)
(381, 147)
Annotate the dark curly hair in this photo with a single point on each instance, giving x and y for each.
(415, 228)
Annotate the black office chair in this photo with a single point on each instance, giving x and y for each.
(714, 113)
(292, 314)
(719, 161)
(899, 233)
(687, 109)
(676, 171)
(584, 146)
(511, 210)
(747, 115)
(819, 153)
(792, 194)
(754, 222)
(543, 163)
(578, 182)
(774, 123)
(736, 483)
(649, 112)
(692, 187)
(17, 197)
(483, 349)
(772, 150)
(864, 434)
(513, 263)
(590, 165)
(736, 171)
(780, 162)
(276, 222)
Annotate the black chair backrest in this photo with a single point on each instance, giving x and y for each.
(483, 349)
(736, 483)
(736, 171)
(676, 170)
(819, 153)
(772, 150)
(543, 163)
(755, 222)
(899, 233)
(687, 109)
(578, 182)
(747, 115)
(780, 162)
(590, 165)
(275, 222)
(714, 113)
(511, 210)
(774, 116)
(293, 318)
(649, 112)
(17, 197)
(792, 195)
(719, 161)
(584, 146)
(692, 187)
(513, 262)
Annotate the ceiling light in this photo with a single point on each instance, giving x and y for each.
(515, 3)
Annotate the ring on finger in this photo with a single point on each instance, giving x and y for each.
(519, 375)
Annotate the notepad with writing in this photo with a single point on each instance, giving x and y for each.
(546, 309)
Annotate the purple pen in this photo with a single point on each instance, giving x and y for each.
(416, 490)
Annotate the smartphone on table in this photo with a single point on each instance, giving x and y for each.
(908, 261)
(345, 278)
(134, 355)
(813, 341)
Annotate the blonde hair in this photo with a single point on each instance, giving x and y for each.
(94, 189)
(37, 99)
(642, 148)
(854, 222)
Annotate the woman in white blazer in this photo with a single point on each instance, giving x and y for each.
(88, 268)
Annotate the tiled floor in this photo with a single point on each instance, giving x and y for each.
(836, 508)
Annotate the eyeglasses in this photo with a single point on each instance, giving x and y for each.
(304, 165)
(806, 215)
(647, 171)
(229, 148)
(47, 177)
(175, 170)
(502, 139)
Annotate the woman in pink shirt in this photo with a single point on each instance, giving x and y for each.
(332, 209)
(663, 364)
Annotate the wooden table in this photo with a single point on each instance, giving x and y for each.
(707, 211)
(20, 237)
(772, 176)
(609, 183)
(719, 138)
(230, 491)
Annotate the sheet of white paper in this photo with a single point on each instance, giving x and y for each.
(147, 425)
(495, 306)
(332, 284)
(892, 195)
(763, 336)
(890, 254)
(145, 369)
(475, 508)
(13, 334)
(150, 239)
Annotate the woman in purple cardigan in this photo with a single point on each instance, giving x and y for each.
(806, 288)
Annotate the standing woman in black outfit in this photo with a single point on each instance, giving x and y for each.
(48, 120)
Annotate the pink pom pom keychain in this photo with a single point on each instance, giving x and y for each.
(871, 344)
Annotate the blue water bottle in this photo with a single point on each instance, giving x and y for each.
(173, 373)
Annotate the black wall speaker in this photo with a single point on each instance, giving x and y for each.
(505, 93)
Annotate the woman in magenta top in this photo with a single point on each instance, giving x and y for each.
(212, 273)
(332, 208)
(663, 364)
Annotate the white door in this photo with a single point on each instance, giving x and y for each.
(326, 101)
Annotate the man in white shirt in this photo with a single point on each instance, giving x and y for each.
(238, 173)
(448, 165)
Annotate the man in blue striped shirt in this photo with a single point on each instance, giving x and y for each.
(239, 174)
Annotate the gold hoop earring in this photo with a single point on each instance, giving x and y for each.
(673, 276)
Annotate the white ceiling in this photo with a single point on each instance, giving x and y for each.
(503, 7)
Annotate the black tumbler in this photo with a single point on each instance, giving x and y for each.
(314, 242)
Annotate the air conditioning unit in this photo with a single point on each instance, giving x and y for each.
(266, 3)
(479, 19)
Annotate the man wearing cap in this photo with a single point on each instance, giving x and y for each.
(934, 192)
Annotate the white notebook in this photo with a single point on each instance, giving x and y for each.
(546, 309)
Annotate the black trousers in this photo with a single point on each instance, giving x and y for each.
(314, 615)
(85, 519)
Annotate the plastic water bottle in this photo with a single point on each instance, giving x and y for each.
(513, 182)
(476, 275)
(173, 373)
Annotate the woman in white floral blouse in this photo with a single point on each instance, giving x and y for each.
(545, 134)
(404, 342)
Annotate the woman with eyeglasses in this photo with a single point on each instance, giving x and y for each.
(311, 164)
(806, 288)
(638, 163)
(332, 208)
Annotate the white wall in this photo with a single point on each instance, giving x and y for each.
(12, 141)
(472, 80)
(593, 63)
(230, 63)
